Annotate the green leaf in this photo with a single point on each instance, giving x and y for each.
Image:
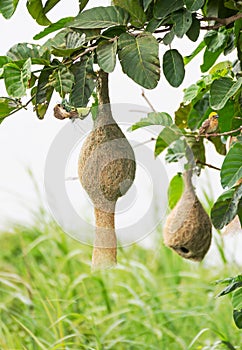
(154, 118)
(146, 4)
(237, 298)
(173, 67)
(36, 10)
(197, 148)
(139, 58)
(84, 82)
(62, 80)
(176, 151)
(218, 144)
(8, 7)
(168, 135)
(164, 8)
(175, 190)
(194, 5)
(43, 92)
(221, 90)
(50, 4)
(209, 58)
(198, 49)
(4, 60)
(133, 7)
(7, 105)
(226, 115)
(225, 208)
(16, 78)
(106, 55)
(181, 115)
(237, 316)
(101, 17)
(230, 288)
(168, 38)
(182, 22)
(62, 23)
(194, 30)
(73, 42)
(215, 40)
(82, 4)
(22, 51)
(231, 170)
(153, 25)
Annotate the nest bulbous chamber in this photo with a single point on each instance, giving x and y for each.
(188, 229)
(106, 164)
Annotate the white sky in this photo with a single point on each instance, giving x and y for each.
(25, 140)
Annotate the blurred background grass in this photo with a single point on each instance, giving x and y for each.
(49, 299)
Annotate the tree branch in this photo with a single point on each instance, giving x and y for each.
(22, 106)
(220, 21)
(231, 132)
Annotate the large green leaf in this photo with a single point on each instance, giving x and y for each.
(197, 148)
(101, 17)
(8, 7)
(237, 316)
(225, 208)
(209, 58)
(181, 115)
(84, 82)
(163, 8)
(50, 4)
(139, 58)
(198, 49)
(43, 92)
(7, 105)
(218, 144)
(106, 55)
(231, 170)
(194, 30)
(221, 90)
(173, 67)
(168, 135)
(175, 190)
(237, 298)
(146, 4)
(154, 118)
(16, 78)
(215, 40)
(62, 23)
(182, 22)
(194, 5)
(133, 7)
(62, 80)
(176, 151)
(23, 51)
(36, 10)
(226, 116)
(73, 43)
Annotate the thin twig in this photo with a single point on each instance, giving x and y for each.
(22, 106)
(231, 132)
(148, 101)
(208, 165)
(144, 143)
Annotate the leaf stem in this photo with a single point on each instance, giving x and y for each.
(208, 165)
(147, 100)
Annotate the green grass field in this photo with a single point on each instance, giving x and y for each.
(152, 300)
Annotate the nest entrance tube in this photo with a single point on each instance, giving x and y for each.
(106, 169)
